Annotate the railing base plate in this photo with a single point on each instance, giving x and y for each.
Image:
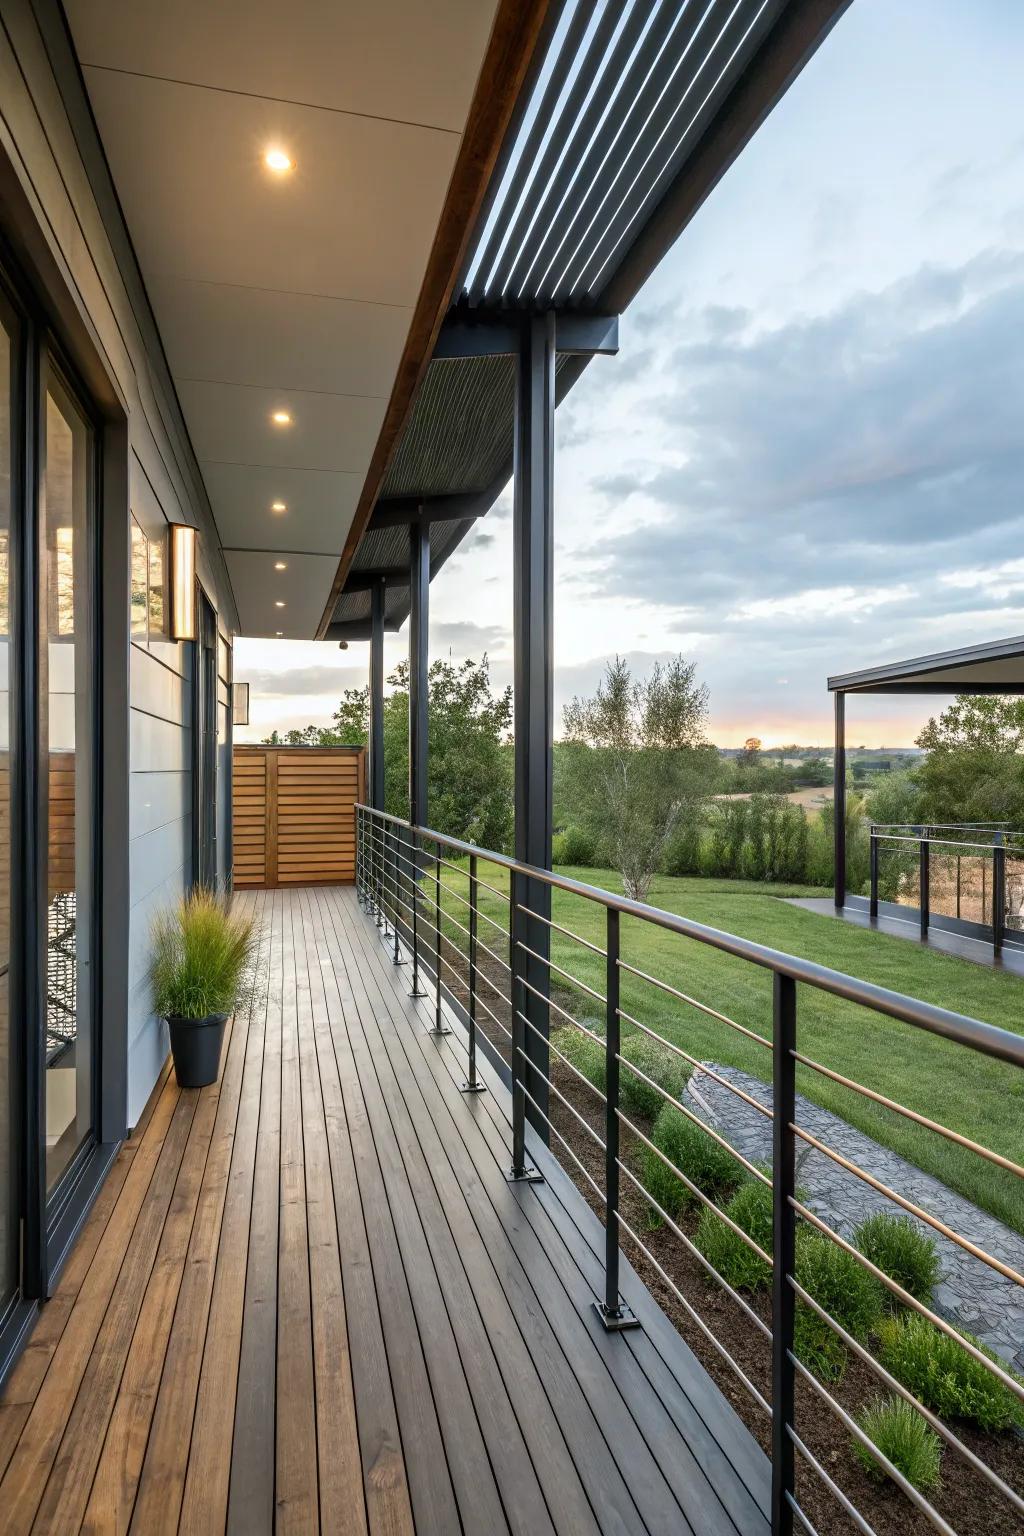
(439, 1033)
(616, 1322)
(468, 1087)
(418, 991)
(524, 1176)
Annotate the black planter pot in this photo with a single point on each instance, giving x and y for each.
(195, 1046)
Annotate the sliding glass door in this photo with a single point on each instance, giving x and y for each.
(66, 735)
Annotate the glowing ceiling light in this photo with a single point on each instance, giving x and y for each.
(279, 506)
(280, 565)
(278, 160)
(279, 603)
(281, 418)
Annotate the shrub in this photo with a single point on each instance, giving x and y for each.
(584, 1054)
(903, 1436)
(817, 1345)
(202, 957)
(838, 1283)
(902, 1250)
(574, 846)
(663, 1066)
(944, 1376)
(751, 1210)
(701, 1158)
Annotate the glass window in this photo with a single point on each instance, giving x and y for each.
(157, 593)
(68, 708)
(140, 568)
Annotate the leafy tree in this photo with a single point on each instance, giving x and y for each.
(974, 768)
(469, 772)
(751, 754)
(640, 762)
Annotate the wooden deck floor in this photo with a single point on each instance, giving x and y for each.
(307, 1299)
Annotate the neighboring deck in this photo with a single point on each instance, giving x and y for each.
(310, 1299)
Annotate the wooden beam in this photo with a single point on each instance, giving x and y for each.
(518, 27)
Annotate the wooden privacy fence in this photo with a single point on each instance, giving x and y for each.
(294, 820)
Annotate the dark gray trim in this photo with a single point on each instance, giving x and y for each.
(403, 510)
(496, 333)
(896, 676)
(113, 769)
(368, 580)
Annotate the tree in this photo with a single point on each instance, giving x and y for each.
(469, 772)
(750, 757)
(639, 762)
(974, 769)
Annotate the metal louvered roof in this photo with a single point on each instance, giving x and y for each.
(632, 113)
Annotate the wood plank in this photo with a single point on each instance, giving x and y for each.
(251, 1491)
(297, 1499)
(342, 1500)
(385, 1477)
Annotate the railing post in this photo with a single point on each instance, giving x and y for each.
(472, 1083)
(998, 894)
(924, 881)
(396, 958)
(378, 873)
(613, 1313)
(416, 990)
(874, 872)
(520, 1169)
(958, 885)
(783, 1249)
(440, 1027)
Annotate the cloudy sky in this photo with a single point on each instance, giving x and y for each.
(808, 455)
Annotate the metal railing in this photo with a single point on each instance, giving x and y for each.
(975, 869)
(400, 882)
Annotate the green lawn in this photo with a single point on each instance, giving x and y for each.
(967, 1092)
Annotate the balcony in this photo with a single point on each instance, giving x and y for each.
(310, 1299)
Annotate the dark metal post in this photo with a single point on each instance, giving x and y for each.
(613, 1313)
(924, 880)
(998, 894)
(440, 1027)
(419, 613)
(521, 1169)
(874, 872)
(958, 885)
(783, 1250)
(533, 604)
(414, 895)
(839, 802)
(472, 1083)
(377, 695)
(394, 893)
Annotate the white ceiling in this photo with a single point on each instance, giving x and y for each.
(282, 293)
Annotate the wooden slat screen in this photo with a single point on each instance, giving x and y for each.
(294, 815)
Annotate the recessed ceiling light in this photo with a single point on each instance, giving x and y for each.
(281, 418)
(278, 631)
(278, 160)
(279, 506)
(279, 565)
(279, 604)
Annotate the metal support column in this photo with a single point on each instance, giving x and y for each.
(533, 603)
(377, 695)
(419, 618)
(839, 802)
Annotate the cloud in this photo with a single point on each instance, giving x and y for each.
(465, 639)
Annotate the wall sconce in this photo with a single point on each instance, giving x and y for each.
(239, 703)
(183, 581)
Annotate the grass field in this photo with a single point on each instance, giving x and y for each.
(969, 1093)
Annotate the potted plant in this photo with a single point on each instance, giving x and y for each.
(202, 962)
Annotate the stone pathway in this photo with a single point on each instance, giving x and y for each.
(969, 1294)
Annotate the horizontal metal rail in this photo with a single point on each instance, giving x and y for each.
(532, 971)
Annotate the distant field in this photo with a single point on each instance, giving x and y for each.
(811, 799)
(971, 1094)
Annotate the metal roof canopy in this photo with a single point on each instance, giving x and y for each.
(996, 666)
(629, 118)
